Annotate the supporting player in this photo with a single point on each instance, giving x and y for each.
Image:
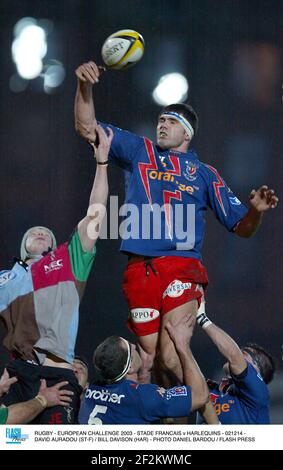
(118, 398)
(242, 397)
(39, 302)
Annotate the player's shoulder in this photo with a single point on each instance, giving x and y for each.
(131, 385)
(253, 382)
(193, 160)
(167, 393)
(196, 168)
(6, 276)
(253, 374)
(178, 391)
(137, 387)
(210, 169)
(144, 389)
(123, 133)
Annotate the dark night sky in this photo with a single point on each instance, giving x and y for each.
(230, 51)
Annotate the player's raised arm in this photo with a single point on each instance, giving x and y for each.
(89, 227)
(85, 123)
(224, 343)
(261, 200)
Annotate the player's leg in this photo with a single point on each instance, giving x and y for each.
(182, 283)
(141, 288)
(147, 346)
(168, 360)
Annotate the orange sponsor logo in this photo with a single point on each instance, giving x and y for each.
(221, 408)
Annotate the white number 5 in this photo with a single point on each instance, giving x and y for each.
(97, 409)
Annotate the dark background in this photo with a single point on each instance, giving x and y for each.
(231, 53)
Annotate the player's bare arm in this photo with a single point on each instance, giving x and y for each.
(181, 334)
(224, 343)
(261, 200)
(85, 123)
(47, 397)
(89, 227)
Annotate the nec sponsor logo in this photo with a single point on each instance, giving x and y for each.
(53, 266)
(104, 395)
(142, 315)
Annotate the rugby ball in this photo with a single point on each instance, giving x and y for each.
(122, 49)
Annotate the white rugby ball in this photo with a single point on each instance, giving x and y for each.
(122, 49)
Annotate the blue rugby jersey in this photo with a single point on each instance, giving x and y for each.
(158, 178)
(128, 402)
(246, 401)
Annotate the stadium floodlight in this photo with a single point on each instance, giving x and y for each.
(171, 88)
(22, 24)
(53, 76)
(28, 48)
(29, 68)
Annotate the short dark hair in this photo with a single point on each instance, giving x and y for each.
(263, 360)
(109, 358)
(186, 110)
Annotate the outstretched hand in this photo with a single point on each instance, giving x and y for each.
(102, 144)
(263, 198)
(90, 72)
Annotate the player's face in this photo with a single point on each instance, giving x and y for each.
(38, 241)
(170, 134)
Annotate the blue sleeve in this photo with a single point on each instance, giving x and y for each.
(226, 206)
(157, 402)
(124, 146)
(251, 387)
(6, 287)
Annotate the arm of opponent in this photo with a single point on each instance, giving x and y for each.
(181, 334)
(224, 343)
(89, 227)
